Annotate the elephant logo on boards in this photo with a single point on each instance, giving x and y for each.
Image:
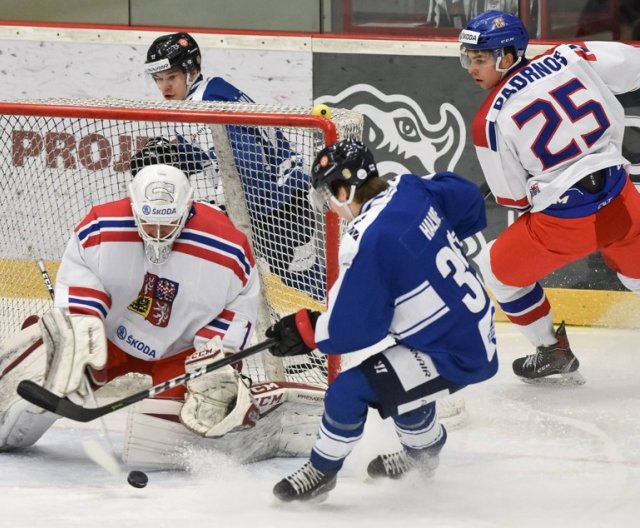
(400, 134)
(404, 140)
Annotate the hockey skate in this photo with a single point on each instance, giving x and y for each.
(307, 483)
(551, 365)
(396, 465)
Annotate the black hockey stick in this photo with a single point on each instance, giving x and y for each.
(486, 192)
(38, 395)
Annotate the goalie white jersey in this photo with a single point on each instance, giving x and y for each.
(208, 286)
(542, 128)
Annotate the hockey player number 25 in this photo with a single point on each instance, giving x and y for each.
(553, 120)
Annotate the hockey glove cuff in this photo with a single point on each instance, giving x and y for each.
(295, 333)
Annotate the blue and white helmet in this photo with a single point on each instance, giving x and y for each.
(494, 31)
(161, 198)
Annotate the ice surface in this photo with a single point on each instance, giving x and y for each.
(531, 456)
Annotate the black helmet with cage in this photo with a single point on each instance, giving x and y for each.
(174, 49)
(348, 163)
(157, 151)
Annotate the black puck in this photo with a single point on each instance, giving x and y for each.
(138, 479)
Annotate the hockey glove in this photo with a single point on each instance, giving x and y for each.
(295, 333)
(218, 402)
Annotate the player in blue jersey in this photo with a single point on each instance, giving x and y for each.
(276, 201)
(404, 274)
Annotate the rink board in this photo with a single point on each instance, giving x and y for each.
(610, 309)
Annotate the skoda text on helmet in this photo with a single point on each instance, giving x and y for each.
(348, 162)
(175, 49)
(494, 31)
(161, 199)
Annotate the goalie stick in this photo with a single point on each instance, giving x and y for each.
(38, 395)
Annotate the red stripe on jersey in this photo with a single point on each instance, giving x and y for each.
(111, 236)
(508, 202)
(76, 309)
(531, 317)
(208, 333)
(212, 221)
(479, 131)
(90, 293)
(212, 256)
(583, 51)
(115, 209)
(479, 124)
(227, 315)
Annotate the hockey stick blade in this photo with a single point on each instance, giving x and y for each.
(38, 395)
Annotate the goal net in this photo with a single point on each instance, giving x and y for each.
(60, 157)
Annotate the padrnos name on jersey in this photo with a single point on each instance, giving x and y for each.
(537, 69)
(430, 223)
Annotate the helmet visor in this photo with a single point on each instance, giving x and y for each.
(474, 57)
(465, 60)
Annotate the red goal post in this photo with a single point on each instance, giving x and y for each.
(59, 157)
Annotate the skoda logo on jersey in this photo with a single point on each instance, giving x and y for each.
(132, 342)
(121, 332)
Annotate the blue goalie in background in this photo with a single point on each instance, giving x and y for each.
(271, 172)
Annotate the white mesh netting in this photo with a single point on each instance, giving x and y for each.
(60, 157)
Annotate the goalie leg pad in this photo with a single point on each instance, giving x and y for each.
(154, 438)
(73, 343)
(290, 417)
(22, 356)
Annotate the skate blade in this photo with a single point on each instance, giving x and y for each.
(567, 379)
(300, 503)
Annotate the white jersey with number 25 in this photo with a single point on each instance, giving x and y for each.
(554, 120)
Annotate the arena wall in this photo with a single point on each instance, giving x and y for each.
(417, 101)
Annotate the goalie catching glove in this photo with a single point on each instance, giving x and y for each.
(219, 402)
(295, 334)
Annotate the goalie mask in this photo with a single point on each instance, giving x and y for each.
(494, 31)
(161, 199)
(349, 162)
(175, 49)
